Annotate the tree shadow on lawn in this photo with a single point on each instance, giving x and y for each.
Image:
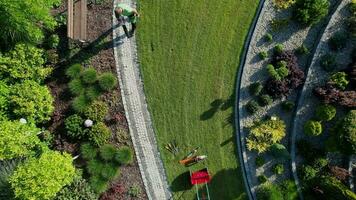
(216, 105)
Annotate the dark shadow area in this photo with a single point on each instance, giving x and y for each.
(231, 139)
(181, 183)
(216, 105)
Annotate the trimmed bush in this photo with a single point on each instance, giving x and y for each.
(78, 190)
(124, 156)
(262, 179)
(53, 41)
(303, 50)
(328, 62)
(289, 189)
(99, 134)
(313, 128)
(89, 75)
(97, 111)
(269, 37)
(252, 107)
(265, 100)
(339, 79)
(95, 166)
(74, 71)
(76, 86)
(278, 48)
(325, 112)
(108, 152)
(338, 41)
(98, 184)
(279, 151)
(93, 92)
(80, 103)
(260, 161)
(279, 73)
(74, 126)
(31, 101)
(134, 191)
(288, 106)
(109, 172)
(263, 55)
(310, 12)
(345, 133)
(307, 173)
(283, 4)
(88, 151)
(255, 88)
(269, 191)
(278, 169)
(107, 81)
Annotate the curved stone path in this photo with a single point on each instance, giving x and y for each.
(138, 117)
(306, 102)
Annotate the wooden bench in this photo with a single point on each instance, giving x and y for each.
(77, 19)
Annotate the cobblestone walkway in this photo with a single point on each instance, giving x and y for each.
(138, 117)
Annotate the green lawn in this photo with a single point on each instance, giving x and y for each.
(189, 52)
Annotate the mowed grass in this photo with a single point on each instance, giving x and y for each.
(189, 52)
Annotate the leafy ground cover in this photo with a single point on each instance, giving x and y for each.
(189, 52)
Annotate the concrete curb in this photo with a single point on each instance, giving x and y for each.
(138, 117)
(241, 147)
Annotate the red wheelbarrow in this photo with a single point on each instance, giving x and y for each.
(198, 178)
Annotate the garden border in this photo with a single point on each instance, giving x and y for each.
(241, 144)
(137, 114)
(299, 97)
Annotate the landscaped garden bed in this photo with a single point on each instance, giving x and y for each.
(70, 107)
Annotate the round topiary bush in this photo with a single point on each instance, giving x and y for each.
(309, 12)
(325, 112)
(124, 156)
(255, 88)
(313, 128)
(108, 152)
(107, 81)
(279, 151)
(74, 126)
(97, 111)
(99, 134)
(88, 151)
(89, 75)
(339, 79)
(278, 48)
(74, 71)
(252, 107)
(265, 100)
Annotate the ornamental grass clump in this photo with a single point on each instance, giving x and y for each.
(124, 156)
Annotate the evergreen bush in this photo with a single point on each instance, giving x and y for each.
(313, 128)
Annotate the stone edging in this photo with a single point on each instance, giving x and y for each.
(138, 117)
(298, 104)
(241, 144)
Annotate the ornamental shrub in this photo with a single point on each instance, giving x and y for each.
(288, 106)
(107, 81)
(334, 189)
(265, 100)
(74, 71)
(307, 173)
(279, 151)
(89, 75)
(78, 190)
(74, 126)
(320, 163)
(310, 12)
(328, 62)
(17, 140)
(124, 156)
(260, 161)
(252, 107)
(23, 21)
(88, 151)
(283, 4)
(23, 63)
(325, 112)
(108, 152)
(93, 92)
(303, 50)
(53, 41)
(262, 179)
(97, 111)
(279, 48)
(110, 171)
(269, 191)
(313, 128)
(99, 134)
(289, 190)
(80, 103)
(42, 178)
(278, 169)
(255, 88)
(134, 191)
(345, 133)
(265, 133)
(269, 37)
(279, 73)
(263, 55)
(339, 79)
(31, 101)
(76, 86)
(338, 41)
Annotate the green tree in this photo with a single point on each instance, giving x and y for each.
(345, 132)
(31, 101)
(78, 190)
(42, 178)
(17, 139)
(265, 133)
(23, 62)
(22, 21)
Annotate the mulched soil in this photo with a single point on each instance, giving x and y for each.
(97, 52)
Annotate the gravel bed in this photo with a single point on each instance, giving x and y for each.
(291, 37)
(316, 76)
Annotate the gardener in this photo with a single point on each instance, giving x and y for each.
(124, 10)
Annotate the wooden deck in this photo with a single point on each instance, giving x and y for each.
(77, 19)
